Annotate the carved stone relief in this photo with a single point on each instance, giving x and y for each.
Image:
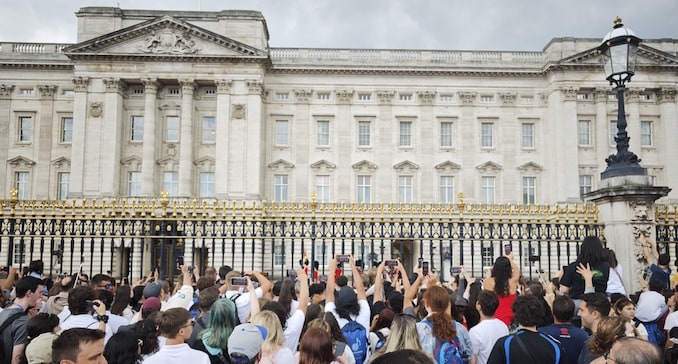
(385, 97)
(96, 109)
(426, 97)
(80, 84)
(239, 111)
(169, 41)
(6, 91)
(344, 96)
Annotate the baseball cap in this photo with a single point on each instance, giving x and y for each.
(346, 297)
(153, 289)
(151, 303)
(245, 342)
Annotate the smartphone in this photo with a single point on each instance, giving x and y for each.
(507, 249)
(343, 258)
(91, 305)
(180, 261)
(238, 281)
(125, 281)
(322, 278)
(455, 270)
(292, 274)
(384, 276)
(424, 268)
(419, 260)
(391, 263)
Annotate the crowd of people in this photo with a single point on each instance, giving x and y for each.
(378, 315)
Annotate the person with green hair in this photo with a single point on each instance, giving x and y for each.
(213, 340)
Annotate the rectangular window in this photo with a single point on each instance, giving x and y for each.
(365, 189)
(279, 253)
(613, 132)
(530, 190)
(487, 189)
(210, 91)
(171, 183)
(645, 133)
(486, 99)
(322, 188)
(172, 132)
(209, 129)
(486, 135)
(585, 96)
(405, 137)
(27, 91)
(323, 133)
(22, 184)
(526, 99)
(585, 184)
(137, 91)
(137, 128)
(405, 188)
(206, 185)
(64, 182)
(584, 133)
(282, 96)
(67, 129)
(69, 93)
(446, 134)
(323, 95)
(134, 184)
(364, 139)
(405, 97)
(528, 135)
(447, 189)
(173, 91)
(280, 188)
(364, 97)
(281, 132)
(488, 256)
(19, 252)
(446, 98)
(25, 128)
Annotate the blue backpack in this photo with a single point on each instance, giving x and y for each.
(655, 334)
(356, 337)
(448, 351)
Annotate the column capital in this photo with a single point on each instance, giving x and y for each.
(255, 87)
(223, 86)
(667, 94)
(150, 85)
(467, 98)
(81, 83)
(187, 86)
(6, 91)
(508, 98)
(569, 93)
(600, 94)
(633, 94)
(385, 97)
(344, 96)
(47, 91)
(114, 85)
(426, 97)
(302, 96)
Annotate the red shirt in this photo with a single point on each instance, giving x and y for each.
(504, 311)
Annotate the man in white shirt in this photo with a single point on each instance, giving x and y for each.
(85, 311)
(236, 292)
(176, 326)
(486, 333)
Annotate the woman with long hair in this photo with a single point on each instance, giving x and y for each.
(329, 324)
(609, 329)
(438, 325)
(593, 256)
(121, 302)
(403, 335)
(503, 280)
(614, 281)
(288, 296)
(273, 349)
(214, 339)
(315, 347)
(626, 309)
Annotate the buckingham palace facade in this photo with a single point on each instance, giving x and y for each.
(197, 104)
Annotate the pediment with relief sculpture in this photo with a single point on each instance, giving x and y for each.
(163, 37)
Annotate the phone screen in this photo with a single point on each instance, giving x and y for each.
(342, 258)
(455, 270)
(419, 260)
(180, 261)
(239, 281)
(292, 274)
(424, 268)
(507, 249)
(391, 263)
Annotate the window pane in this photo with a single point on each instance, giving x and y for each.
(405, 188)
(584, 131)
(206, 185)
(137, 128)
(171, 183)
(66, 130)
(445, 134)
(323, 132)
(528, 135)
(172, 129)
(529, 190)
(584, 184)
(613, 132)
(447, 189)
(364, 189)
(280, 188)
(322, 188)
(134, 184)
(487, 190)
(646, 133)
(64, 181)
(22, 184)
(405, 134)
(486, 137)
(281, 132)
(25, 128)
(364, 134)
(209, 130)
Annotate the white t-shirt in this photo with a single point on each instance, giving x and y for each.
(243, 302)
(183, 298)
(84, 321)
(651, 305)
(284, 356)
(484, 335)
(614, 282)
(115, 321)
(671, 321)
(293, 328)
(181, 353)
(363, 317)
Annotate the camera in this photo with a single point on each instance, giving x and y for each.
(343, 258)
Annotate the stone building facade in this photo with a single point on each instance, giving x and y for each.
(196, 103)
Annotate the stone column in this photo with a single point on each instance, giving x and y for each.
(566, 164)
(633, 119)
(626, 206)
(43, 143)
(186, 139)
(254, 162)
(470, 140)
(666, 133)
(111, 132)
(75, 189)
(602, 124)
(223, 121)
(425, 144)
(345, 147)
(5, 117)
(148, 160)
(303, 133)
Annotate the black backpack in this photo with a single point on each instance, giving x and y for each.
(5, 324)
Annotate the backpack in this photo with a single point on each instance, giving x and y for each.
(237, 317)
(551, 340)
(356, 337)
(381, 341)
(5, 324)
(655, 334)
(448, 351)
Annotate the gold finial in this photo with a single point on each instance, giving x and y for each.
(13, 197)
(617, 21)
(164, 198)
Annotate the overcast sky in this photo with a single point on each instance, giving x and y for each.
(403, 24)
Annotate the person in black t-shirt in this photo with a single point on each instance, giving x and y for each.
(592, 253)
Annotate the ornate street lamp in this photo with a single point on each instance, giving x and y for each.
(619, 50)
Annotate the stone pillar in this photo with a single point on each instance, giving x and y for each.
(186, 138)
(602, 124)
(148, 159)
(345, 147)
(112, 130)
(470, 136)
(303, 133)
(632, 100)
(626, 206)
(426, 144)
(5, 117)
(566, 164)
(223, 122)
(666, 133)
(75, 189)
(253, 155)
(43, 143)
